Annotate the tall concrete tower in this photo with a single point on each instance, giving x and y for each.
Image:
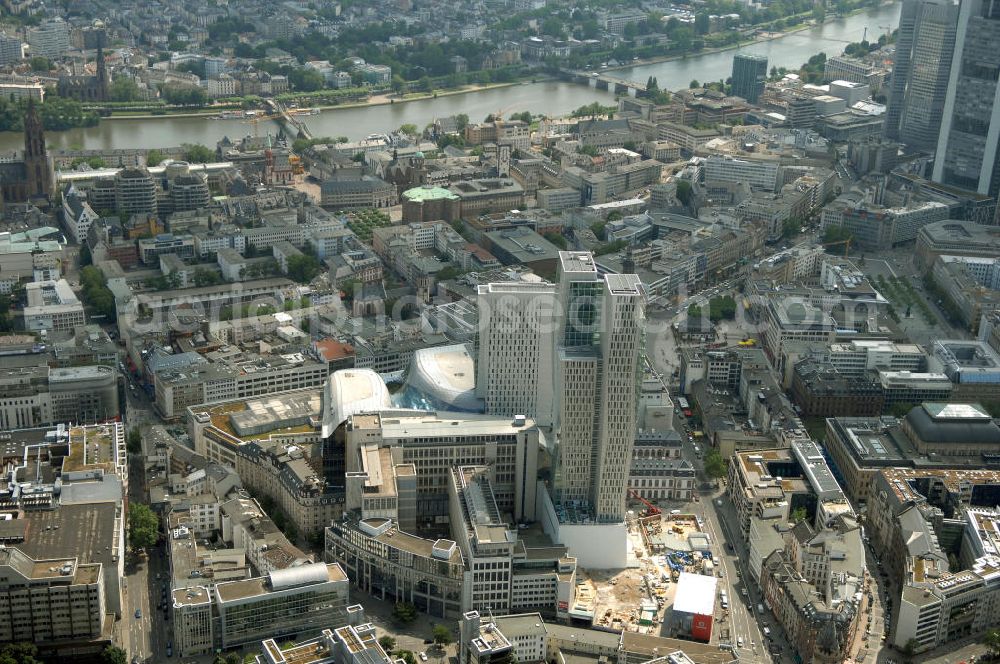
(967, 146)
(568, 356)
(924, 50)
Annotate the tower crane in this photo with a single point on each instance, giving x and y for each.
(846, 243)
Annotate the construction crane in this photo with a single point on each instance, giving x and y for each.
(846, 243)
(651, 509)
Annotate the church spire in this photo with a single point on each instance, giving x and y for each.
(102, 73)
(36, 158)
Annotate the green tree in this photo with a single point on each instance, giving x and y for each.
(798, 514)
(836, 234)
(124, 89)
(715, 465)
(406, 655)
(180, 94)
(154, 157)
(96, 293)
(234, 658)
(19, 653)
(113, 655)
(134, 441)
(143, 526)
(557, 239)
(206, 277)
(409, 129)
(197, 154)
(404, 613)
(701, 23)
(684, 192)
(442, 635)
(790, 227)
(306, 80)
(900, 409)
(461, 122)
(694, 84)
(303, 268)
(992, 642)
(387, 642)
(39, 63)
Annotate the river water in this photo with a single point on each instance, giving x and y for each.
(551, 98)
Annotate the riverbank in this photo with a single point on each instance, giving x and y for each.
(761, 39)
(387, 99)
(374, 100)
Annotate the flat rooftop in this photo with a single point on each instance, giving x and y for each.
(438, 424)
(85, 532)
(91, 447)
(259, 586)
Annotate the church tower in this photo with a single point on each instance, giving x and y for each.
(102, 75)
(36, 157)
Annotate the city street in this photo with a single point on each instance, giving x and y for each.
(144, 638)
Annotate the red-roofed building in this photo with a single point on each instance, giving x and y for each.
(337, 355)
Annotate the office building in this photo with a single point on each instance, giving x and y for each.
(953, 237)
(435, 442)
(135, 191)
(36, 396)
(917, 517)
(966, 155)
(283, 603)
(485, 564)
(749, 76)
(920, 76)
(596, 365)
(597, 335)
(52, 306)
(49, 39)
(11, 50)
(354, 643)
(49, 601)
(513, 325)
(758, 172)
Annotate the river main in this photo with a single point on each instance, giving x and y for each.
(551, 98)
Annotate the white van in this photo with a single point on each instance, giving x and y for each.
(767, 632)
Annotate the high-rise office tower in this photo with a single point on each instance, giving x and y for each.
(569, 354)
(596, 385)
(516, 339)
(749, 76)
(966, 155)
(924, 48)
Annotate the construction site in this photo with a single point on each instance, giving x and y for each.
(639, 598)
